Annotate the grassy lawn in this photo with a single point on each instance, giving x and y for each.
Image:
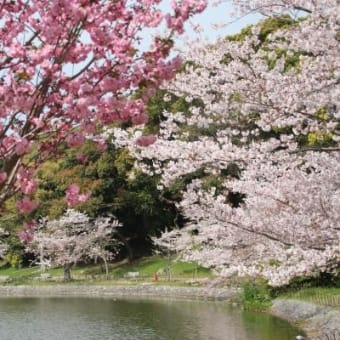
(180, 273)
(320, 295)
(149, 266)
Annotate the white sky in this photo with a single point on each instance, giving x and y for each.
(221, 15)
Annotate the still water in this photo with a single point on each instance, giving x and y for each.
(106, 319)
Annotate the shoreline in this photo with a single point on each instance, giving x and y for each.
(314, 320)
(135, 291)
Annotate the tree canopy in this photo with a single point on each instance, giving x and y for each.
(257, 146)
(69, 68)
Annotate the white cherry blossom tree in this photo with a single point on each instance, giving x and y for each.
(73, 238)
(3, 245)
(264, 125)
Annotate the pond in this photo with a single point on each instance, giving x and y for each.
(127, 319)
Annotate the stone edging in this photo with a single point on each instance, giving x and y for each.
(316, 321)
(137, 291)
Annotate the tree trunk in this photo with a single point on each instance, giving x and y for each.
(106, 268)
(127, 246)
(67, 272)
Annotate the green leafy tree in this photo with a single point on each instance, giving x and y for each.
(115, 189)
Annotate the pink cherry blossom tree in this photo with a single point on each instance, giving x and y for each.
(68, 68)
(73, 238)
(268, 123)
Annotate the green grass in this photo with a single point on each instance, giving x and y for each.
(320, 295)
(181, 272)
(20, 276)
(149, 266)
(19, 273)
(257, 295)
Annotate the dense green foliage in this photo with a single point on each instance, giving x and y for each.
(255, 295)
(115, 189)
(322, 280)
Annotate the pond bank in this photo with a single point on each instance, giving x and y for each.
(317, 321)
(135, 291)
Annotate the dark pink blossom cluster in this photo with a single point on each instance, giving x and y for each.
(74, 197)
(67, 68)
(26, 235)
(146, 140)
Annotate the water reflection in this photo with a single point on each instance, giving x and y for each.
(104, 319)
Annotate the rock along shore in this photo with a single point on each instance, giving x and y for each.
(319, 322)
